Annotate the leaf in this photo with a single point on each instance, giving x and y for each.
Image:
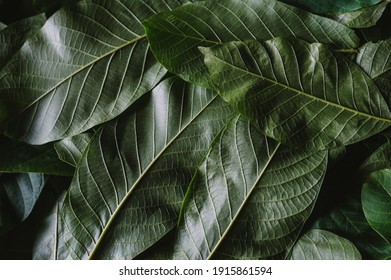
(13, 37)
(129, 186)
(175, 36)
(375, 59)
(2, 26)
(70, 150)
(376, 202)
(48, 243)
(363, 18)
(18, 196)
(298, 93)
(87, 64)
(332, 6)
(19, 157)
(319, 244)
(347, 220)
(249, 198)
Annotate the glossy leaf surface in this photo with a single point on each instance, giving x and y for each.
(249, 198)
(128, 189)
(175, 36)
(376, 202)
(298, 93)
(87, 64)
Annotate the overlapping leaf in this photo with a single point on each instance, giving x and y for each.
(376, 202)
(323, 245)
(298, 93)
(362, 18)
(250, 197)
(375, 59)
(348, 221)
(13, 37)
(19, 157)
(87, 64)
(174, 36)
(332, 6)
(128, 189)
(70, 150)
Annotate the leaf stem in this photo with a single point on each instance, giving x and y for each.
(349, 50)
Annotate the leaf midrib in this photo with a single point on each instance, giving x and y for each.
(244, 203)
(135, 184)
(304, 93)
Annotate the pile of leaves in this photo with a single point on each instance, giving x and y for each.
(218, 129)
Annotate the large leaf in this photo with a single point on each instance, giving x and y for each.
(375, 59)
(174, 36)
(362, 18)
(19, 157)
(319, 244)
(332, 6)
(129, 186)
(250, 197)
(298, 93)
(13, 37)
(376, 202)
(348, 221)
(87, 64)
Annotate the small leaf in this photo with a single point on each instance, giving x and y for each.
(375, 59)
(319, 244)
(19, 157)
(362, 18)
(298, 93)
(249, 198)
(87, 64)
(376, 202)
(332, 6)
(129, 185)
(175, 36)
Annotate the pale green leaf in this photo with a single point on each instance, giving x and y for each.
(298, 93)
(319, 244)
(88, 63)
(375, 59)
(376, 202)
(362, 18)
(249, 198)
(175, 36)
(332, 6)
(129, 186)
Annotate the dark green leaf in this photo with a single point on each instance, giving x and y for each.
(331, 6)
(70, 150)
(249, 198)
(19, 157)
(375, 59)
(175, 36)
(87, 64)
(13, 37)
(319, 244)
(129, 186)
(298, 93)
(348, 220)
(376, 202)
(362, 18)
